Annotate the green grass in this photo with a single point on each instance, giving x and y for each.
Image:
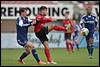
(78, 58)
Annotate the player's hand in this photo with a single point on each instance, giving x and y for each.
(34, 22)
(73, 34)
(81, 33)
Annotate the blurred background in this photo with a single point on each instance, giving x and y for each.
(9, 13)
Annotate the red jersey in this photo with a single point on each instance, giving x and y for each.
(40, 22)
(69, 25)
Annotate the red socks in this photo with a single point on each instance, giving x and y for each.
(59, 28)
(47, 53)
(69, 47)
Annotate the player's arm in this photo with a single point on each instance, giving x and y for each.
(31, 22)
(79, 37)
(81, 25)
(96, 24)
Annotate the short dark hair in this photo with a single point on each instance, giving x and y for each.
(42, 8)
(22, 10)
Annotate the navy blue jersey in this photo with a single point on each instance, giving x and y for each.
(22, 24)
(89, 22)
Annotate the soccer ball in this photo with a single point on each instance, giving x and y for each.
(85, 31)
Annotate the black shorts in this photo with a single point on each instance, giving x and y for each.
(67, 36)
(42, 34)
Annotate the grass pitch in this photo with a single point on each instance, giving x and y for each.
(60, 55)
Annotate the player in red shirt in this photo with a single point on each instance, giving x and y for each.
(70, 30)
(41, 31)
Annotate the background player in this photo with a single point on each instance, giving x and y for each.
(22, 24)
(76, 36)
(70, 29)
(41, 31)
(89, 21)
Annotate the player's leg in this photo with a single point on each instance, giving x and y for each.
(71, 45)
(67, 42)
(77, 46)
(91, 44)
(24, 54)
(34, 53)
(89, 40)
(43, 38)
(67, 38)
(68, 46)
(29, 47)
(47, 53)
(46, 50)
(56, 27)
(76, 40)
(88, 48)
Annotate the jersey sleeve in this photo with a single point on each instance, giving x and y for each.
(78, 27)
(96, 22)
(81, 24)
(49, 19)
(29, 20)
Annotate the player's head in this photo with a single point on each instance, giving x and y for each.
(74, 21)
(89, 9)
(66, 14)
(23, 12)
(43, 10)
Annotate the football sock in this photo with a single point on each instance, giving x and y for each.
(67, 46)
(47, 53)
(34, 53)
(24, 55)
(77, 46)
(59, 28)
(88, 47)
(71, 46)
(91, 48)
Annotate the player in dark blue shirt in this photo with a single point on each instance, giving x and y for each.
(89, 21)
(22, 24)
